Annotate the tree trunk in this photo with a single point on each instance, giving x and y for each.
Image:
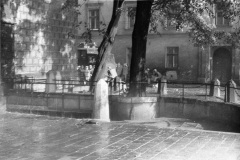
(1, 17)
(104, 50)
(139, 43)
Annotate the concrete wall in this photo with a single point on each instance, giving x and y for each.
(126, 108)
(136, 108)
(58, 104)
(157, 50)
(147, 108)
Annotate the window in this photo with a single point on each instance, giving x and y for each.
(94, 19)
(131, 16)
(220, 20)
(172, 14)
(172, 57)
(130, 20)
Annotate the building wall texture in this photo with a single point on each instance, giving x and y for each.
(41, 37)
(42, 42)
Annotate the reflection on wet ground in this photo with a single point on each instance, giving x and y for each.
(31, 137)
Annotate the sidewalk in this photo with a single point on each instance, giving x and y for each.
(31, 137)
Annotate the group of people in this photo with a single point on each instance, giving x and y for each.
(85, 72)
(117, 75)
(122, 71)
(155, 76)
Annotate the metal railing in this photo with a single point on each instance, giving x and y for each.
(174, 88)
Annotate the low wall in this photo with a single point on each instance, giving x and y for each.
(139, 108)
(70, 105)
(133, 108)
(123, 108)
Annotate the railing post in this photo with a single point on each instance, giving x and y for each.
(31, 96)
(32, 87)
(18, 95)
(63, 97)
(183, 91)
(79, 102)
(212, 85)
(25, 84)
(231, 94)
(206, 90)
(47, 100)
(159, 86)
(21, 83)
(119, 87)
(111, 87)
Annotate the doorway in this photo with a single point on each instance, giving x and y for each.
(222, 65)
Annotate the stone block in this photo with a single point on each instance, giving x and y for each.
(171, 75)
(163, 86)
(233, 94)
(216, 91)
(50, 86)
(101, 102)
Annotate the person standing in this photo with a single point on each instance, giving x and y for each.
(81, 73)
(87, 73)
(156, 75)
(147, 74)
(119, 69)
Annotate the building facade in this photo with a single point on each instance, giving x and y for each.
(42, 43)
(41, 38)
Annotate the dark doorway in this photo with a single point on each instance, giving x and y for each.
(7, 54)
(222, 65)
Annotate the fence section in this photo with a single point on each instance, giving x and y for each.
(144, 89)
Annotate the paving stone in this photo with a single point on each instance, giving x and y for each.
(41, 137)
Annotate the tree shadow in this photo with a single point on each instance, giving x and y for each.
(42, 37)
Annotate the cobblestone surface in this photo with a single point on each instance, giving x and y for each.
(31, 137)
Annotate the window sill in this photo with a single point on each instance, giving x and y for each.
(172, 69)
(223, 26)
(94, 29)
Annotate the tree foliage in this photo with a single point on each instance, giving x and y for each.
(197, 16)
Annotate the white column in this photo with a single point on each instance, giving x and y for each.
(216, 91)
(233, 94)
(101, 102)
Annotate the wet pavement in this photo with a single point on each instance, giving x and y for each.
(32, 137)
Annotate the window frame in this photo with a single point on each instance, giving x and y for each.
(174, 57)
(131, 19)
(224, 20)
(96, 18)
(174, 10)
(128, 5)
